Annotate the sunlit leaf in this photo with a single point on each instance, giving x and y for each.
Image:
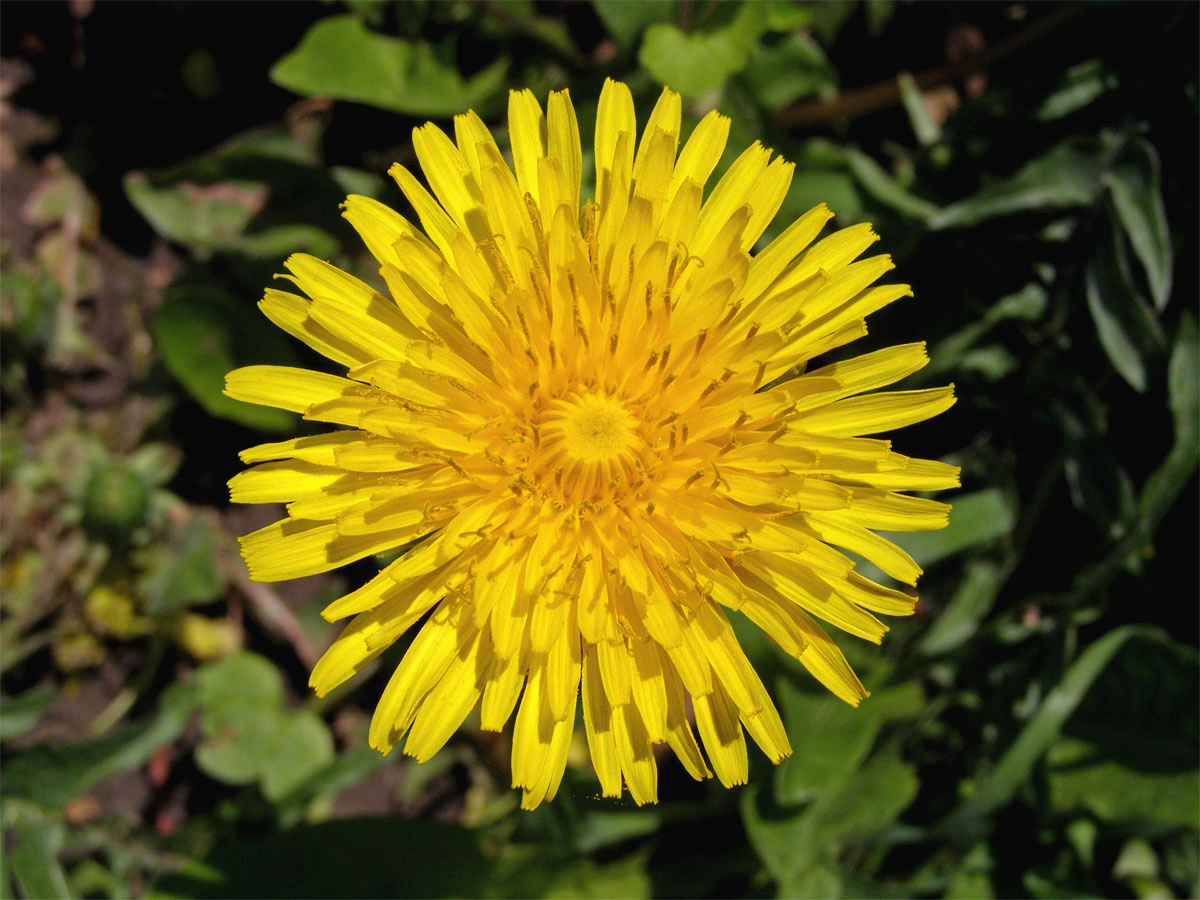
(699, 63)
(341, 59)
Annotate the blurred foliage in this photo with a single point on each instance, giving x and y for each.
(1033, 730)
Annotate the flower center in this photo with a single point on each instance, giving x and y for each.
(594, 428)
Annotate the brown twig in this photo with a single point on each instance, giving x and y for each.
(883, 94)
(274, 613)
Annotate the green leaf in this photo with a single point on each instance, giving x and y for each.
(180, 571)
(549, 873)
(34, 858)
(242, 697)
(1098, 485)
(789, 839)
(214, 216)
(974, 520)
(1135, 184)
(1127, 331)
(1081, 779)
(627, 19)
(364, 857)
(927, 131)
(1183, 383)
(249, 735)
(1078, 87)
(50, 775)
(790, 70)
(206, 217)
(959, 621)
(301, 749)
(203, 333)
(830, 738)
(1043, 728)
(340, 59)
(884, 188)
(19, 714)
(1130, 749)
(1027, 305)
(1067, 175)
(344, 771)
(699, 63)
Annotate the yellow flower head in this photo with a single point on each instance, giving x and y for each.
(590, 421)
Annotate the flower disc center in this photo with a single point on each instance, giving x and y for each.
(596, 427)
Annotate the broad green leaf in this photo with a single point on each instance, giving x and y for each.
(884, 188)
(823, 19)
(699, 63)
(1067, 175)
(1079, 86)
(180, 570)
(302, 748)
(34, 858)
(627, 19)
(203, 333)
(206, 217)
(790, 70)
(50, 775)
(1135, 184)
(830, 739)
(213, 216)
(1081, 778)
(19, 714)
(249, 735)
(242, 699)
(341, 59)
(972, 880)
(791, 839)
(1144, 710)
(363, 857)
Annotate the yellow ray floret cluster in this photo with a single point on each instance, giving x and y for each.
(588, 418)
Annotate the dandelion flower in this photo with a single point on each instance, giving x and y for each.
(594, 425)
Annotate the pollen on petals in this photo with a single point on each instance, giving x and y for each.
(585, 419)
